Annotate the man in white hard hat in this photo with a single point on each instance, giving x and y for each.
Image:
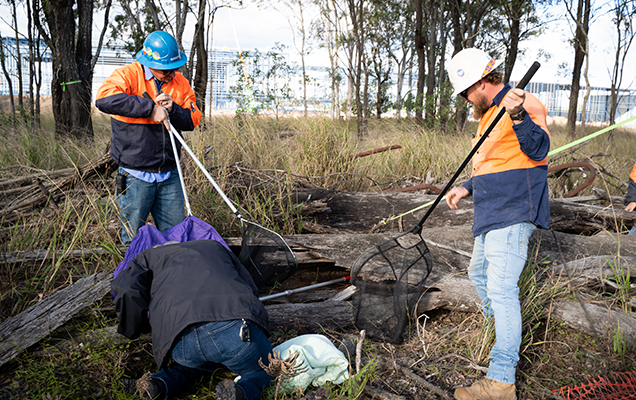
(510, 195)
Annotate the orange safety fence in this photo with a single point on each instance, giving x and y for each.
(618, 386)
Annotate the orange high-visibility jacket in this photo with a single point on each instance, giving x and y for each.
(509, 178)
(137, 142)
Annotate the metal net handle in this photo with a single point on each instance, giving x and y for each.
(274, 236)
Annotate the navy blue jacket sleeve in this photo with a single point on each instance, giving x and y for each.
(132, 298)
(132, 106)
(534, 141)
(631, 192)
(181, 118)
(469, 186)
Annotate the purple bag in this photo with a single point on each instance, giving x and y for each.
(148, 236)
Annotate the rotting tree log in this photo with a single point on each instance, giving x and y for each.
(22, 195)
(40, 320)
(357, 212)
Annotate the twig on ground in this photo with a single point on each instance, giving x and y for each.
(359, 350)
(471, 364)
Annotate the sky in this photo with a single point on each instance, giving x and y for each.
(251, 27)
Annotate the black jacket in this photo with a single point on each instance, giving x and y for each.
(178, 285)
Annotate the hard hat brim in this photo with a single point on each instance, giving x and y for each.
(157, 65)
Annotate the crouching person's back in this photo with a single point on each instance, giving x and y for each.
(203, 310)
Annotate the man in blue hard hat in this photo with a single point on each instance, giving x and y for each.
(147, 179)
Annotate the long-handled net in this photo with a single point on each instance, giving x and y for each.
(264, 253)
(394, 272)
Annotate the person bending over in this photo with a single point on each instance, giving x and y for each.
(203, 310)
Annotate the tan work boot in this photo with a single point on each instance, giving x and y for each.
(487, 389)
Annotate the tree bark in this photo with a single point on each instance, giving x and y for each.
(201, 69)
(431, 17)
(39, 321)
(349, 212)
(420, 44)
(71, 49)
(580, 37)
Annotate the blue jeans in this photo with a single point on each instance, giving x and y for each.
(632, 231)
(200, 348)
(499, 257)
(164, 200)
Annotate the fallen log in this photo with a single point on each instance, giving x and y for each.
(311, 317)
(597, 320)
(40, 320)
(365, 212)
(586, 219)
(38, 189)
(41, 255)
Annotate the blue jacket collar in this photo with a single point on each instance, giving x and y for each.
(497, 100)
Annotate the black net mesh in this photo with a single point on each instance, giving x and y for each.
(266, 255)
(390, 278)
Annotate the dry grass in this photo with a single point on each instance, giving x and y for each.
(258, 162)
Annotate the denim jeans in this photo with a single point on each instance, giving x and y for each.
(499, 257)
(164, 200)
(200, 348)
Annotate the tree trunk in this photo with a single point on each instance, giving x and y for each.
(71, 84)
(461, 114)
(421, 61)
(515, 32)
(7, 78)
(580, 37)
(201, 70)
(18, 55)
(432, 20)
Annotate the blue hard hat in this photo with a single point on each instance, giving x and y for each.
(161, 51)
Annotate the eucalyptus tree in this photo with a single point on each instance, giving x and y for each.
(430, 43)
(581, 18)
(296, 12)
(350, 42)
(67, 28)
(395, 19)
(357, 15)
(623, 15)
(201, 42)
(7, 77)
(326, 29)
(18, 58)
(385, 23)
(130, 26)
(520, 20)
(467, 17)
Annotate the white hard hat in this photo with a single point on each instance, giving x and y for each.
(468, 66)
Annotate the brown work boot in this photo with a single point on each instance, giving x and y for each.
(487, 389)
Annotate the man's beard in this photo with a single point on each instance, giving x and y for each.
(480, 106)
